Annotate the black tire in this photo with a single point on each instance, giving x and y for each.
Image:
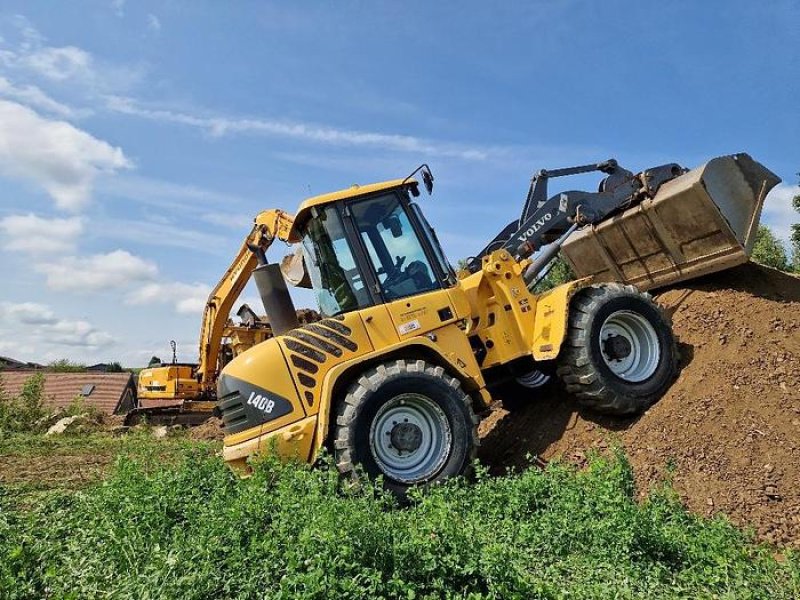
(516, 396)
(388, 390)
(585, 358)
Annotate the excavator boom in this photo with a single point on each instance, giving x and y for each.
(182, 392)
(268, 226)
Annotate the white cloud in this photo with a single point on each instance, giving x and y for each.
(778, 212)
(79, 333)
(34, 97)
(184, 297)
(153, 23)
(58, 64)
(38, 323)
(117, 269)
(32, 58)
(219, 126)
(29, 313)
(36, 235)
(61, 158)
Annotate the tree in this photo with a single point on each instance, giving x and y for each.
(114, 367)
(768, 250)
(26, 411)
(154, 361)
(64, 365)
(560, 272)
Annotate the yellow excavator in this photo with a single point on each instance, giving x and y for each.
(408, 352)
(185, 393)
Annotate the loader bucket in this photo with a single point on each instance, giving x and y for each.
(701, 222)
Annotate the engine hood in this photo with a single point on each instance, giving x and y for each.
(255, 391)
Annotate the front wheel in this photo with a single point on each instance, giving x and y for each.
(620, 354)
(407, 421)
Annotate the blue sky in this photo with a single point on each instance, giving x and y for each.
(138, 139)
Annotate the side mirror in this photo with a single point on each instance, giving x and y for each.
(393, 224)
(427, 179)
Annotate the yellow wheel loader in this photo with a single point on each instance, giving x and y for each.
(408, 352)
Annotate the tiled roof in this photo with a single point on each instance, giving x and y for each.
(113, 392)
(11, 363)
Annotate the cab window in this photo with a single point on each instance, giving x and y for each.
(393, 247)
(336, 281)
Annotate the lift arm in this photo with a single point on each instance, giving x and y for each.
(544, 220)
(268, 226)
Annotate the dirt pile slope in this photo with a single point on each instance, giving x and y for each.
(729, 428)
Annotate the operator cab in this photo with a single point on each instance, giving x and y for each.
(370, 245)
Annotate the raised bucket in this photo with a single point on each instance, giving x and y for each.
(701, 222)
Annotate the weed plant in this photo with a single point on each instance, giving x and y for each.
(193, 531)
(25, 411)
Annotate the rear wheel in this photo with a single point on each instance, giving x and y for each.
(407, 421)
(620, 355)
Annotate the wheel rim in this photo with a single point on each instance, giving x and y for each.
(410, 438)
(629, 346)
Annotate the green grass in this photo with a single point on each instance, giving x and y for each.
(135, 442)
(33, 465)
(189, 529)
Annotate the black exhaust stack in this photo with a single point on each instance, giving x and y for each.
(274, 294)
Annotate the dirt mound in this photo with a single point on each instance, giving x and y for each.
(728, 429)
(210, 430)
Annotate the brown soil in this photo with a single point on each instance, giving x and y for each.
(65, 471)
(730, 424)
(209, 430)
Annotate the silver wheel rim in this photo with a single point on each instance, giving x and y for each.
(424, 433)
(639, 337)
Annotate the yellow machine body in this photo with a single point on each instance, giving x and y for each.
(297, 377)
(339, 383)
(167, 383)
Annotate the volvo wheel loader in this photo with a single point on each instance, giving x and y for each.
(408, 352)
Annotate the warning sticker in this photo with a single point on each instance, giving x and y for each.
(409, 327)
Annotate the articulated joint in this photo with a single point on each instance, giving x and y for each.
(500, 263)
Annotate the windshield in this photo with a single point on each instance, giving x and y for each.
(433, 241)
(393, 247)
(338, 285)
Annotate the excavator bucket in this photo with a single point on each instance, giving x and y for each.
(701, 222)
